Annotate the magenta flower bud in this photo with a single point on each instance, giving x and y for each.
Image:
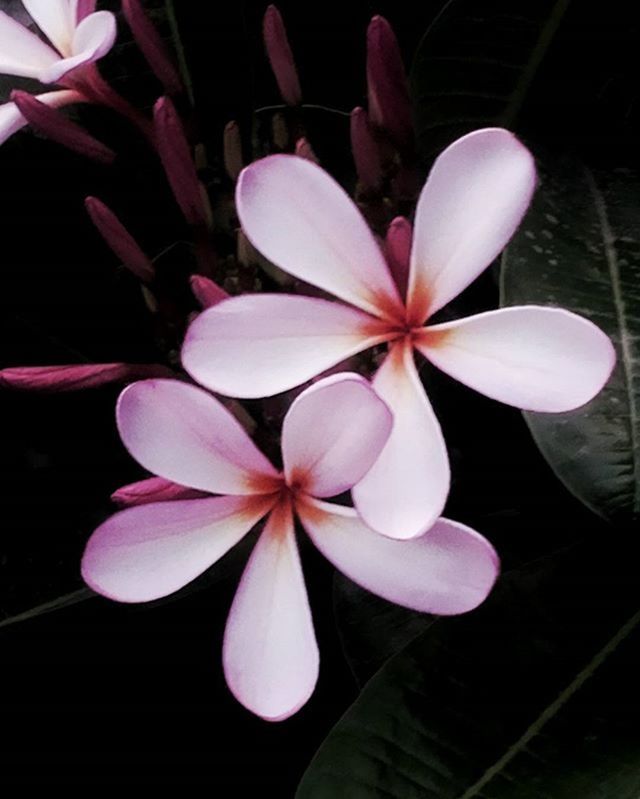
(365, 151)
(305, 150)
(84, 8)
(119, 240)
(154, 489)
(206, 291)
(175, 154)
(74, 377)
(152, 47)
(389, 103)
(281, 57)
(398, 251)
(232, 149)
(57, 127)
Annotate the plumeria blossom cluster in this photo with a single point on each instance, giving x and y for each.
(348, 291)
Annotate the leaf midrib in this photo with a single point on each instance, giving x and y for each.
(551, 710)
(611, 255)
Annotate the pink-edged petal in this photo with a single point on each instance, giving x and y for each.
(150, 551)
(299, 218)
(405, 491)
(92, 39)
(22, 52)
(55, 20)
(532, 357)
(270, 654)
(260, 345)
(333, 433)
(11, 120)
(473, 201)
(448, 570)
(183, 434)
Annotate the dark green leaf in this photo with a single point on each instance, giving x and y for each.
(475, 65)
(533, 696)
(579, 248)
(372, 629)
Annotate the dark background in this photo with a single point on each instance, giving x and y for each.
(114, 695)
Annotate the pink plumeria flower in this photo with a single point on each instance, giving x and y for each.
(79, 35)
(331, 435)
(298, 217)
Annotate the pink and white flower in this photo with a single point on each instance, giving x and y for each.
(78, 35)
(536, 358)
(332, 434)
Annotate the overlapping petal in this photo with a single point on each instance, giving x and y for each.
(92, 39)
(259, 345)
(11, 120)
(55, 19)
(299, 218)
(475, 196)
(181, 433)
(149, 551)
(532, 357)
(405, 491)
(21, 51)
(333, 433)
(270, 653)
(448, 570)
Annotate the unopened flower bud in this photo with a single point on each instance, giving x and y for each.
(305, 150)
(119, 240)
(232, 148)
(151, 45)
(398, 251)
(175, 154)
(74, 377)
(56, 126)
(389, 103)
(154, 489)
(281, 57)
(365, 150)
(206, 291)
(280, 132)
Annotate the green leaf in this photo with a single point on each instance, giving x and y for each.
(371, 629)
(61, 602)
(533, 696)
(579, 248)
(475, 65)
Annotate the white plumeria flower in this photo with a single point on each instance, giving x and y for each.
(331, 436)
(298, 217)
(78, 35)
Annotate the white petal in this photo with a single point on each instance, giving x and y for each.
(299, 218)
(270, 653)
(258, 345)
(150, 551)
(93, 38)
(448, 570)
(532, 357)
(477, 192)
(333, 433)
(22, 52)
(405, 491)
(54, 18)
(183, 434)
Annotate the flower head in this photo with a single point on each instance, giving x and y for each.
(331, 436)
(78, 36)
(537, 358)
